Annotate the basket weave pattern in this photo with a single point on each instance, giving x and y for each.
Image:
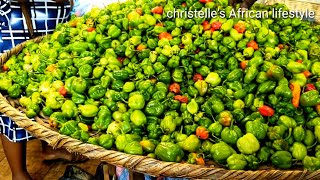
(140, 164)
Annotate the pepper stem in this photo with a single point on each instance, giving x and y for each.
(289, 135)
(309, 147)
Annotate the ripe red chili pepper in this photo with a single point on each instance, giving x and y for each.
(90, 29)
(197, 51)
(244, 64)
(5, 68)
(63, 91)
(240, 27)
(216, 26)
(299, 61)
(309, 87)
(281, 46)
(206, 25)
(165, 35)
(253, 44)
(157, 10)
(175, 88)
(202, 132)
(182, 99)
(89, 127)
(197, 77)
(205, 1)
(266, 111)
(121, 59)
(307, 73)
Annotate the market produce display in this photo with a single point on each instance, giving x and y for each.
(241, 92)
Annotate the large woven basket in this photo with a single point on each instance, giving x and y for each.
(141, 164)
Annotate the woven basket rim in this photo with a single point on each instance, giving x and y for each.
(142, 164)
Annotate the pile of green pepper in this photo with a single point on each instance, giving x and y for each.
(242, 92)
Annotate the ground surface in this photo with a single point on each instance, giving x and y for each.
(42, 170)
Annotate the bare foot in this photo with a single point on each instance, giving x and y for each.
(48, 154)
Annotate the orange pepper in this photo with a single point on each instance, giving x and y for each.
(307, 73)
(296, 90)
(141, 47)
(165, 35)
(244, 64)
(318, 108)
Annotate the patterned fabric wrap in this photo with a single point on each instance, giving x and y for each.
(123, 174)
(45, 15)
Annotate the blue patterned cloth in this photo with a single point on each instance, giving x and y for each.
(10, 130)
(123, 174)
(45, 15)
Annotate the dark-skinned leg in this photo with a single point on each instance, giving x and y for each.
(49, 154)
(16, 156)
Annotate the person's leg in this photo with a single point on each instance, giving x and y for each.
(49, 154)
(16, 156)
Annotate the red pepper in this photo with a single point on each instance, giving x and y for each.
(309, 87)
(90, 29)
(281, 46)
(253, 44)
(63, 91)
(197, 51)
(184, 4)
(202, 132)
(182, 99)
(175, 88)
(244, 64)
(307, 73)
(139, 11)
(5, 68)
(89, 127)
(266, 111)
(205, 1)
(240, 27)
(296, 90)
(165, 35)
(197, 77)
(299, 61)
(121, 59)
(157, 10)
(215, 26)
(206, 25)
